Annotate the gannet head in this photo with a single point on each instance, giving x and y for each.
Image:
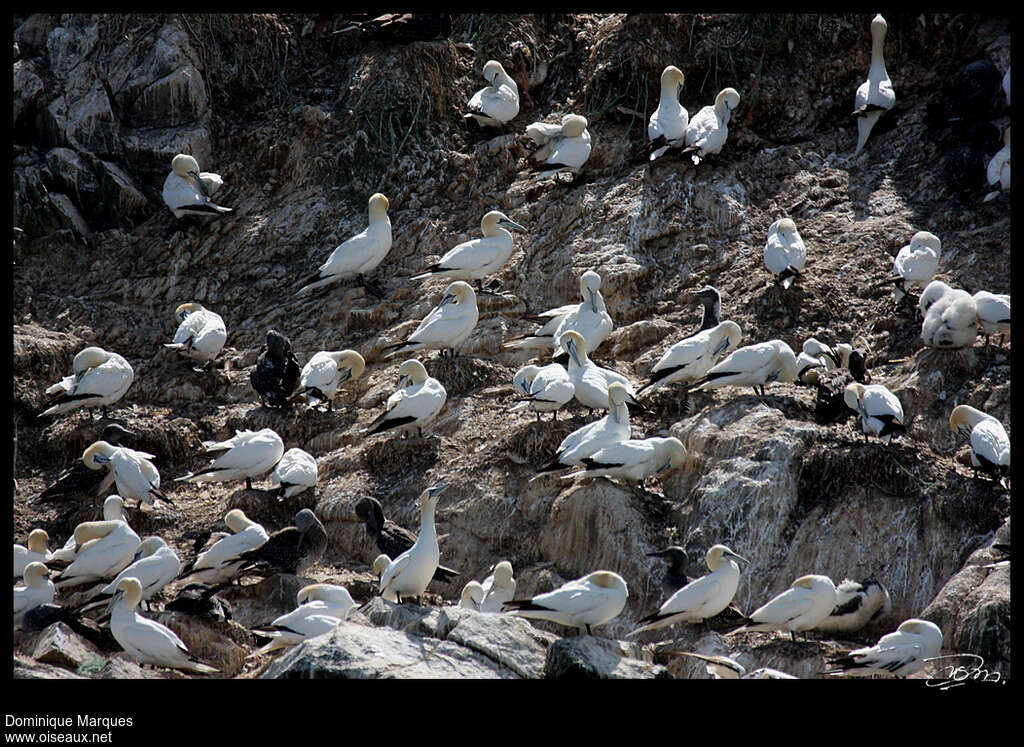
(725, 336)
(277, 344)
(573, 125)
(459, 292)
(966, 417)
(34, 574)
(502, 573)
(428, 498)
(716, 555)
(89, 358)
(813, 581)
(590, 288)
(706, 292)
(491, 221)
(786, 227)
(935, 290)
(727, 99)
(617, 394)
(675, 554)
(129, 589)
(852, 396)
(377, 207)
(928, 239)
(185, 309)
(574, 344)
(237, 521)
(523, 378)
(113, 508)
(185, 165)
(380, 563)
(411, 373)
(350, 363)
(473, 592)
(305, 519)
(672, 80)
(878, 26)
(148, 546)
(608, 580)
(114, 432)
(98, 455)
(787, 360)
(37, 540)
(494, 72)
(920, 627)
(845, 350)
(675, 450)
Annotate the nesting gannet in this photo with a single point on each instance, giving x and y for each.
(993, 314)
(903, 652)
(446, 326)
(477, 258)
(586, 602)
(222, 560)
(411, 572)
(321, 608)
(147, 641)
(246, 455)
(817, 355)
(753, 366)
(784, 252)
(134, 475)
(416, 403)
(711, 312)
(726, 668)
(380, 564)
(472, 596)
(692, 358)
(932, 292)
(703, 598)
(201, 334)
(38, 590)
(857, 604)
(800, 608)
(633, 460)
(590, 318)
(326, 372)
(990, 446)
(707, 131)
(667, 126)
(360, 254)
(155, 564)
(100, 378)
(952, 320)
(290, 550)
(543, 389)
(33, 551)
(104, 549)
(565, 150)
(880, 411)
(583, 442)
(998, 171)
(187, 191)
(113, 510)
(876, 94)
(498, 588)
(276, 372)
(497, 103)
(391, 539)
(297, 471)
(79, 479)
(916, 263)
(589, 380)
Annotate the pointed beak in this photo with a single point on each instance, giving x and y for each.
(447, 298)
(658, 554)
(403, 381)
(113, 601)
(511, 224)
(345, 376)
(572, 352)
(593, 300)
(100, 458)
(722, 346)
(136, 556)
(731, 554)
(199, 182)
(438, 489)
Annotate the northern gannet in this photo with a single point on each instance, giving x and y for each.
(916, 263)
(586, 602)
(753, 366)
(472, 596)
(590, 318)
(134, 473)
(33, 551)
(993, 314)
(155, 564)
(542, 389)
(711, 313)
(565, 150)
(903, 652)
(880, 411)
(360, 254)
(477, 258)
(446, 326)
(187, 190)
(589, 380)
(276, 372)
(100, 378)
(201, 334)
(222, 560)
(726, 668)
(875, 95)
(104, 549)
(784, 252)
(857, 604)
(38, 590)
(325, 373)
(633, 460)
(416, 403)
(691, 358)
(297, 471)
(497, 103)
(583, 442)
(998, 171)
(952, 320)
(409, 574)
(498, 588)
(391, 539)
(708, 129)
(113, 510)
(321, 608)
(667, 126)
(990, 446)
(816, 356)
(380, 564)
(246, 455)
(79, 479)
(290, 550)
(800, 608)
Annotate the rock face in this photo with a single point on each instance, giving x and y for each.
(304, 131)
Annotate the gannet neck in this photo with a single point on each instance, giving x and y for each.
(621, 413)
(878, 29)
(113, 508)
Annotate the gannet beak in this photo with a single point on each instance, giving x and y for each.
(731, 554)
(447, 298)
(723, 345)
(659, 554)
(100, 458)
(572, 352)
(664, 467)
(438, 489)
(113, 600)
(136, 556)
(199, 182)
(593, 300)
(403, 381)
(345, 376)
(511, 224)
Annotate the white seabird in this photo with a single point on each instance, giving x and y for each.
(155, 564)
(221, 561)
(587, 602)
(477, 258)
(952, 320)
(753, 366)
(134, 473)
(667, 126)
(700, 599)
(563, 151)
(589, 380)
(916, 263)
(692, 358)
(446, 326)
(993, 314)
(498, 588)
(583, 442)
(246, 455)
(416, 403)
(113, 510)
(990, 446)
(880, 411)
(998, 171)
(147, 641)
(33, 551)
(409, 574)
(38, 590)
(800, 608)
(545, 389)
(321, 608)
(380, 564)
(498, 103)
(187, 190)
(726, 668)
(857, 604)
(100, 378)
(633, 460)
(784, 252)
(105, 548)
(707, 131)
(326, 372)
(875, 95)
(932, 292)
(360, 254)
(297, 471)
(201, 334)
(472, 596)
(590, 318)
(903, 652)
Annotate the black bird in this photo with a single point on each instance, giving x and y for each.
(277, 371)
(964, 170)
(290, 550)
(200, 600)
(675, 576)
(391, 539)
(78, 479)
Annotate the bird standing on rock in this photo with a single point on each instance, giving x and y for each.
(134, 473)
(201, 334)
(498, 103)
(290, 550)
(584, 603)
(187, 190)
(416, 403)
(410, 573)
(246, 455)
(667, 126)
(276, 372)
(391, 539)
(446, 326)
(876, 95)
(79, 479)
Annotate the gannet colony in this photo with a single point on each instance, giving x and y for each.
(340, 425)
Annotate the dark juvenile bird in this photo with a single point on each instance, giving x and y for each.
(277, 371)
(78, 479)
(392, 539)
(675, 575)
(201, 600)
(290, 550)
(963, 170)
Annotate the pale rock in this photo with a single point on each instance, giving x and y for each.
(60, 645)
(591, 658)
